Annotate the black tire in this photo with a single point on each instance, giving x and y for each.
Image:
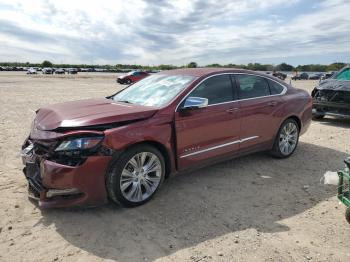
(276, 151)
(116, 168)
(128, 81)
(317, 116)
(347, 214)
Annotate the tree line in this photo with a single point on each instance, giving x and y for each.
(250, 66)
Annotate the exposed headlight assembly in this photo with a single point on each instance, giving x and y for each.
(83, 143)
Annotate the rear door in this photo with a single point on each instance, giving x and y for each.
(259, 123)
(213, 131)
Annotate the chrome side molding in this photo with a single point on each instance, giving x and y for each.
(219, 146)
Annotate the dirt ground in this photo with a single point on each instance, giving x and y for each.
(254, 208)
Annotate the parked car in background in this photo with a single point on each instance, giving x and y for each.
(59, 71)
(315, 76)
(302, 76)
(332, 96)
(328, 75)
(123, 147)
(31, 71)
(47, 71)
(132, 77)
(72, 71)
(279, 75)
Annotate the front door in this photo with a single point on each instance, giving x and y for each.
(205, 133)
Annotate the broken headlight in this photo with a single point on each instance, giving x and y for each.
(77, 144)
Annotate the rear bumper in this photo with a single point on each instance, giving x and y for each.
(56, 185)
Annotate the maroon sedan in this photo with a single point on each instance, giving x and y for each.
(132, 77)
(123, 147)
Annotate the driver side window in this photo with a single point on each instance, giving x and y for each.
(216, 89)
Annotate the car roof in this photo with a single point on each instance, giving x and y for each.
(199, 72)
(208, 71)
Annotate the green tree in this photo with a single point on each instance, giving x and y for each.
(214, 65)
(46, 64)
(192, 65)
(335, 66)
(284, 67)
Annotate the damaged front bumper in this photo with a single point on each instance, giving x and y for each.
(331, 102)
(58, 185)
(331, 108)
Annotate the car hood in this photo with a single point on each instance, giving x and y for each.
(89, 112)
(334, 84)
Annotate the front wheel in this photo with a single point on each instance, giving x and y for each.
(317, 115)
(287, 139)
(136, 176)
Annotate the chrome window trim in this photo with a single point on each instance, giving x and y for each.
(219, 146)
(237, 100)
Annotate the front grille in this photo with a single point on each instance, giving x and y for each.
(333, 96)
(32, 173)
(33, 191)
(41, 148)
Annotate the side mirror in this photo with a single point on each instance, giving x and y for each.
(195, 102)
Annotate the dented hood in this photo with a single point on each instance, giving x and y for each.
(334, 84)
(89, 112)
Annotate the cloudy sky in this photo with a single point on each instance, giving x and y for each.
(175, 31)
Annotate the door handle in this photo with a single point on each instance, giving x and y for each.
(232, 110)
(273, 103)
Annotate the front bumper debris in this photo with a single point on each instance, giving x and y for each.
(331, 108)
(56, 185)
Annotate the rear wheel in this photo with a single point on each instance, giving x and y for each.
(287, 139)
(136, 176)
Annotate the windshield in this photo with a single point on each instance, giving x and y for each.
(343, 75)
(156, 90)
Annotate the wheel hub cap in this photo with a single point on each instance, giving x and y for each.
(141, 177)
(288, 138)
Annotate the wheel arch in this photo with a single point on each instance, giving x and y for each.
(296, 118)
(159, 146)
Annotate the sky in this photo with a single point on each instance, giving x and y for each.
(175, 31)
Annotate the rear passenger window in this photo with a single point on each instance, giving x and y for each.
(252, 86)
(216, 89)
(275, 88)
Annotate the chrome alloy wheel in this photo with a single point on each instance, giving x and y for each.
(288, 138)
(141, 177)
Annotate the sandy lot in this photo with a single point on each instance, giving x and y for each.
(254, 208)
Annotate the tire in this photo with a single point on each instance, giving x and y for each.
(281, 151)
(124, 180)
(318, 116)
(347, 214)
(128, 81)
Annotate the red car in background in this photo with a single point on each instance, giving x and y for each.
(132, 77)
(123, 147)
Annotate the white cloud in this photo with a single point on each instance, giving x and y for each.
(167, 31)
